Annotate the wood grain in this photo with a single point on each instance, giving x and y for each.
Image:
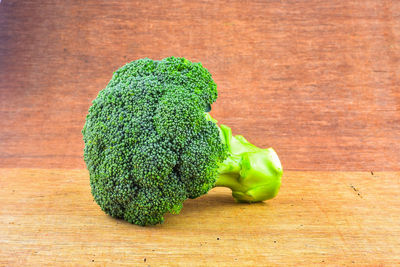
(316, 80)
(333, 218)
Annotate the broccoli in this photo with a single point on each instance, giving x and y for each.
(150, 144)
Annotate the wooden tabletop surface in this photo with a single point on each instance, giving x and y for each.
(333, 218)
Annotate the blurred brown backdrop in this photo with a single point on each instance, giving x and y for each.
(316, 80)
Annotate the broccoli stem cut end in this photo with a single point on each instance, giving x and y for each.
(253, 174)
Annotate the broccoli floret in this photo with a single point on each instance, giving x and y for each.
(150, 145)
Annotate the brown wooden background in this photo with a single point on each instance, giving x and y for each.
(316, 80)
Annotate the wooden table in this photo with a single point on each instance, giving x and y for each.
(335, 218)
(316, 80)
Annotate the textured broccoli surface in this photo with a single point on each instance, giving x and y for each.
(150, 145)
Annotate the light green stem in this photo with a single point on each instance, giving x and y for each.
(253, 174)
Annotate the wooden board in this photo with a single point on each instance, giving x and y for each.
(316, 80)
(48, 217)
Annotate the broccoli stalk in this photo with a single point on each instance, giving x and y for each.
(253, 174)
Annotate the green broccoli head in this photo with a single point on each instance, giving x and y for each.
(148, 145)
